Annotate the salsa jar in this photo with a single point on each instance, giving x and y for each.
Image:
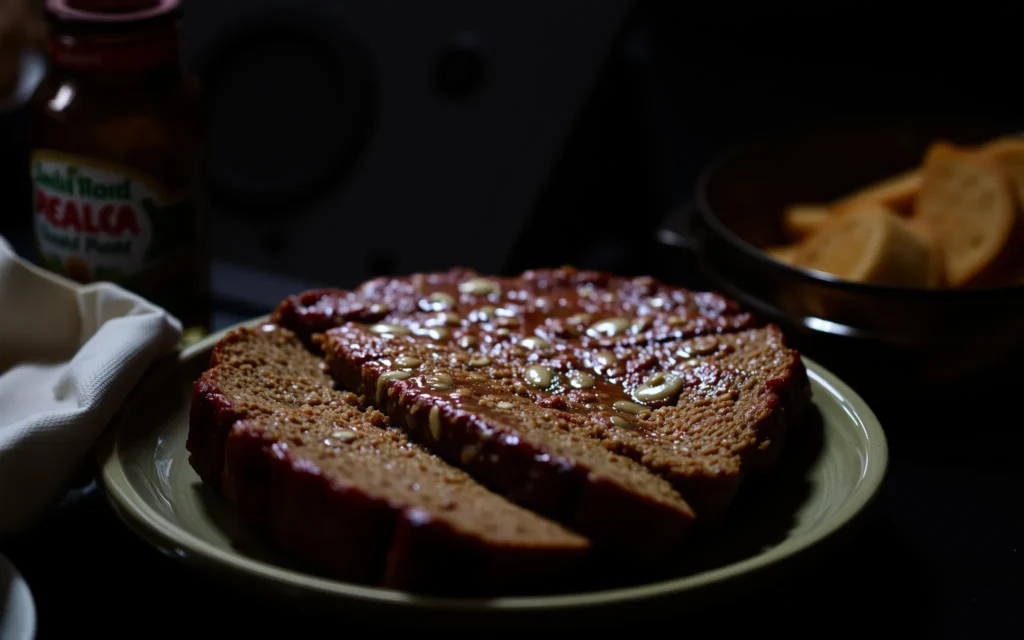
(116, 145)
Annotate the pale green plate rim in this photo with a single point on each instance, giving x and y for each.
(178, 543)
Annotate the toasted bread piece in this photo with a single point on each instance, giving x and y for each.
(872, 244)
(801, 220)
(967, 200)
(938, 262)
(782, 252)
(1003, 147)
(898, 193)
(1009, 152)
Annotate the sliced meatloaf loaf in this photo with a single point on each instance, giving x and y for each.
(334, 485)
(519, 378)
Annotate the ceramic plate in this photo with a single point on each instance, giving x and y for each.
(17, 610)
(830, 472)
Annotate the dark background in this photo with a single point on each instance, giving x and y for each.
(940, 554)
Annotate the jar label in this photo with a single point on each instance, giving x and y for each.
(95, 221)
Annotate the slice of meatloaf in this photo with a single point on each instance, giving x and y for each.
(334, 485)
(684, 382)
(469, 414)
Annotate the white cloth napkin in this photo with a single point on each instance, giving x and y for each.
(69, 355)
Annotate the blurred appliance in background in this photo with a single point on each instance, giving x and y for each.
(354, 138)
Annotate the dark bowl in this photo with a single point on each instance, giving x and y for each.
(870, 333)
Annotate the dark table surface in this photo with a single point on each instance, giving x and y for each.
(939, 553)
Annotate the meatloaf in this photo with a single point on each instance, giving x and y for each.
(531, 377)
(333, 484)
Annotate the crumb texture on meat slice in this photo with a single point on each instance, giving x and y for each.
(334, 484)
(383, 462)
(685, 383)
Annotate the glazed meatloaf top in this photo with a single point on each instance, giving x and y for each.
(684, 382)
(302, 457)
(562, 302)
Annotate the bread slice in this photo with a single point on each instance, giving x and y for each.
(898, 193)
(335, 486)
(801, 220)
(603, 340)
(1008, 152)
(968, 201)
(873, 244)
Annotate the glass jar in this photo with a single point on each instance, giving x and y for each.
(115, 155)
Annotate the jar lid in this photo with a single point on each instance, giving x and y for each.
(113, 35)
(111, 11)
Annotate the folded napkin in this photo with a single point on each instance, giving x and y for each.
(69, 355)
